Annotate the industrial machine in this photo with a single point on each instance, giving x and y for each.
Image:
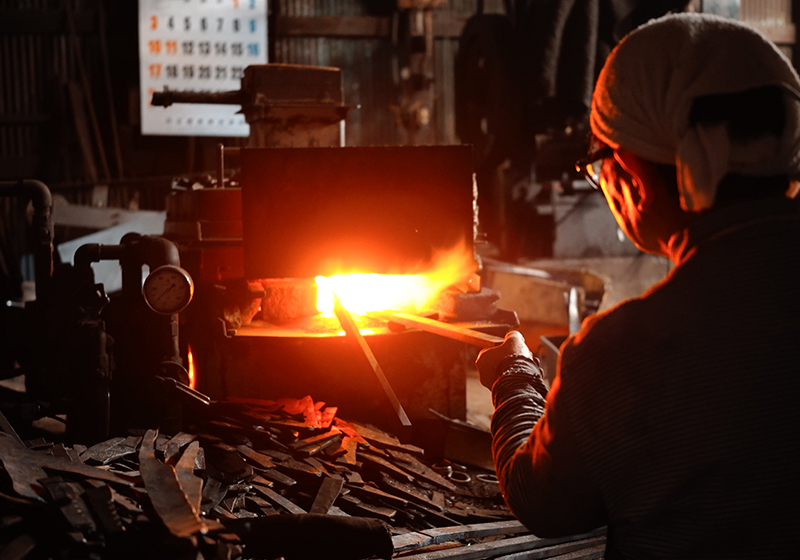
(104, 362)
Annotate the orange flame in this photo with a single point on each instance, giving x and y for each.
(361, 293)
(190, 368)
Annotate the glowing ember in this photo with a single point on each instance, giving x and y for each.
(362, 293)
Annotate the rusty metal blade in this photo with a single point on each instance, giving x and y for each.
(328, 492)
(6, 426)
(277, 499)
(166, 495)
(19, 548)
(65, 465)
(175, 444)
(69, 498)
(351, 329)
(419, 470)
(23, 468)
(260, 459)
(192, 485)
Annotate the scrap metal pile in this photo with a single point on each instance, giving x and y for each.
(255, 479)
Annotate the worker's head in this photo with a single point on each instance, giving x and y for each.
(686, 101)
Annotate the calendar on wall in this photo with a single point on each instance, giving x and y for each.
(198, 45)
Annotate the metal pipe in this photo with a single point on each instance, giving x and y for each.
(42, 226)
(94, 252)
(168, 97)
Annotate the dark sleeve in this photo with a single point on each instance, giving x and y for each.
(541, 473)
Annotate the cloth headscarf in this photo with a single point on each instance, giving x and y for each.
(644, 94)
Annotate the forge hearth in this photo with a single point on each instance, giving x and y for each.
(309, 212)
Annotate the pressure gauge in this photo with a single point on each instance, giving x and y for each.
(168, 289)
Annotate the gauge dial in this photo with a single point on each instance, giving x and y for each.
(168, 289)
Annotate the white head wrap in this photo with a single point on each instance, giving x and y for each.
(645, 91)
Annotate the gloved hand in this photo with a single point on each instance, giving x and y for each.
(490, 358)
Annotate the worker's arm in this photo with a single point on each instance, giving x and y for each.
(541, 473)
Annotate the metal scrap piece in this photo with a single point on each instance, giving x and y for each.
(101, 501)
(274, 475)
(169, 501)
(420, 470)
(125, 502)
(261, 504)
(233, 503)
(350, 446)
(318, 441)
(6, 427)
(19, 548)
(472, 513)
(38, 443)
(385, 466)
(408, 492)
(276, 498)
(230, 463)
(260, 459)
(23, 467)
(316, 464)
(99, 450)
(213, 494)
(60, 451)
(72, 454)
(367, 491)
(261, 481)
(297, 466)
(184, 469)
(328, 492)
(176, 443)
(277, 455)
(69, 497)
(382, 439)
(64, 465)
(160, 442)
(354, 506)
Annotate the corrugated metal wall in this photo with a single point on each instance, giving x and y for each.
(59, 118)
(30, 66)
(370, 66)
(774, 19)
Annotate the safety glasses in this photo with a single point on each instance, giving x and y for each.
(592, 164)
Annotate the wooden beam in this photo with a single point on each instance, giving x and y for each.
(781, 34)
(554, 546)
(45, 22)
(411, 541)
(445, 26)
(332, 26)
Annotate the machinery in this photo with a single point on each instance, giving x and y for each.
(104, 362)
(523, 87)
